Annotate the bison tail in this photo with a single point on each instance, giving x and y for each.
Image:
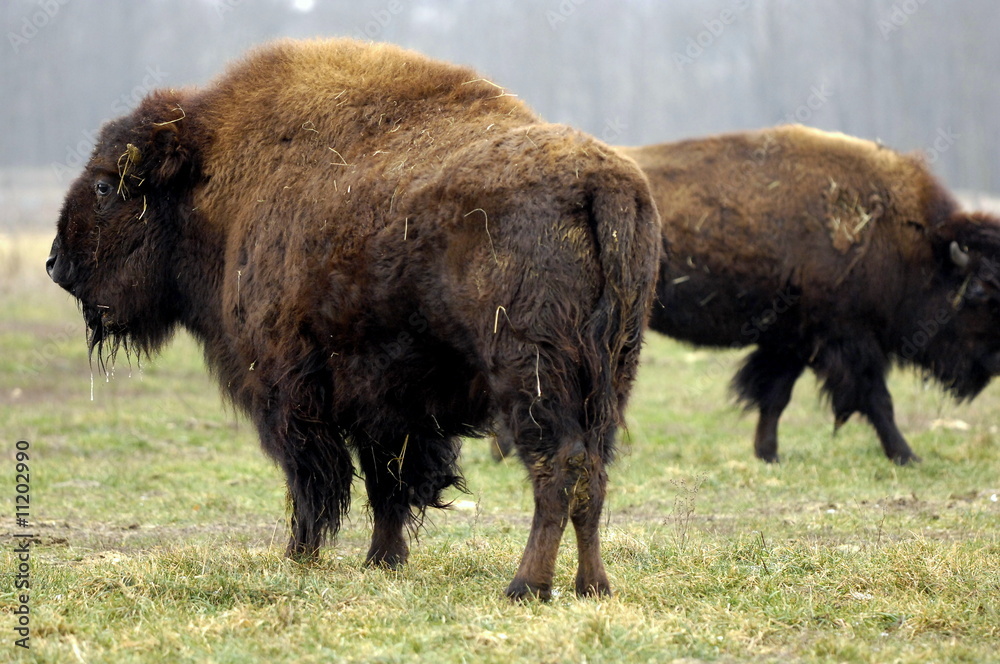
(626, 230)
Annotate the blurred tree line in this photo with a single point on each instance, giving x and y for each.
(915, 74)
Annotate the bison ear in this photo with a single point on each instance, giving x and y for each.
(173, 157)
(170, 152)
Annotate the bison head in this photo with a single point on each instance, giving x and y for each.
(962, 334)
(117, 233)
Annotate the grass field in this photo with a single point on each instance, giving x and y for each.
(159, 527)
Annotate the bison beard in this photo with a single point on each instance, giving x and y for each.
(379, 253)
(826, 252)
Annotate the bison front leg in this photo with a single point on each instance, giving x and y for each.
(389, 506)
(877, 407)
(404, 476)
(318, 471)
(854, 376)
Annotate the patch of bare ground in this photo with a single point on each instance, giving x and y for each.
(794, 518)
(95, 539)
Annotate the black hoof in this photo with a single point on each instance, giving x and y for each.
(388, 562)
(301, 552)
(521, 591)
(909, 459)
(600, 590)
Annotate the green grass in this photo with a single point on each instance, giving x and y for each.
(160, 525)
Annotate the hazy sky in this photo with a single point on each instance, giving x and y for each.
(916, 74)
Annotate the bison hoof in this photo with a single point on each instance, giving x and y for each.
(520, 591)
(906, 459)
(301, 552)
(600, 589)
(385, 561)
(769, 458)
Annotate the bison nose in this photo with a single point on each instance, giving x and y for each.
(59, 270)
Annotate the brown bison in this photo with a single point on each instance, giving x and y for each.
(824, 251)
(379, 253)
(829, 252)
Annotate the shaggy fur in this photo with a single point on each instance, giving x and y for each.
(378, 252)
(829, 252)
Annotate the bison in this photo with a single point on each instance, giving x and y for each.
(829, 252)
(824, 251)
(379, 253)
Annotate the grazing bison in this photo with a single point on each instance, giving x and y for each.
(824, 251)
(378, 253)
(829, 252)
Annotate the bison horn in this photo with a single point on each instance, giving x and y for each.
(959, 257)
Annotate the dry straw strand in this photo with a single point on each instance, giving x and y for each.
(126, 164)
(488, 235)
(168, 122)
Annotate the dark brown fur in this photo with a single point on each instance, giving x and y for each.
(378, 252)
(829, 252)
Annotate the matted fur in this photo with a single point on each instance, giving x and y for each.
(378, 252)
(824, 251)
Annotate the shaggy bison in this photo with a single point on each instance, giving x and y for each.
(828, 252)
(379, 253)
(824, 251)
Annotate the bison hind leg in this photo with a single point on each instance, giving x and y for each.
(403, 478)
(586, 502)
(569, 482)
(765, 381)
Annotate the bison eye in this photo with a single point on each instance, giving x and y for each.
(103, 188)
(976, 294)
